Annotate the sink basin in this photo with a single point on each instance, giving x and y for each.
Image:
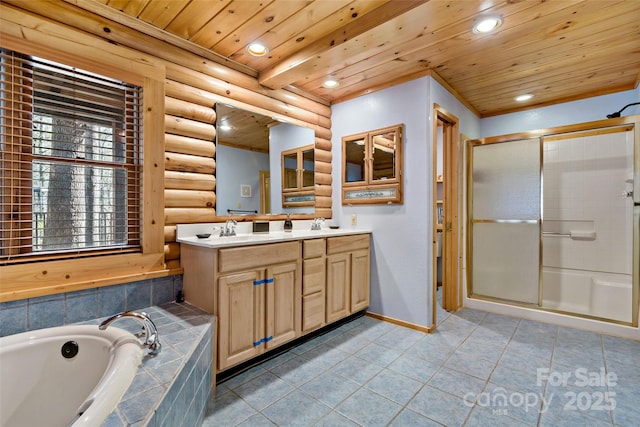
(236, 238)
(239, 237)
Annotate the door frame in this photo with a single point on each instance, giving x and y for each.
(265, 191)
(451, 297)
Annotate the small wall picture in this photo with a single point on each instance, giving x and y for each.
(245, 190)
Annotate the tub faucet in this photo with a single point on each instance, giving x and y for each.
(151, 339)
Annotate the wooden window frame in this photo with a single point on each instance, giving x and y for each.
(39, 278)
(20, 129)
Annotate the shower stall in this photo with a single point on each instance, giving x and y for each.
(553, 220)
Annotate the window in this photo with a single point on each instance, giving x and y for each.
(70, 161)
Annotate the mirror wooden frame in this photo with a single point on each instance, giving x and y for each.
(300, 190)
(368, 190)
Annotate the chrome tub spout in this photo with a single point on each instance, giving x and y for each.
(151, 340)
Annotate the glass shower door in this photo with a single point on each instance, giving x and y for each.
(504, 221)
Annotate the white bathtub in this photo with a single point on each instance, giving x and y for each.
(604, 295)
(40, 387)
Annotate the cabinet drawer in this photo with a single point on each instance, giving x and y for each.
(313, 275)
(247, 257)
(340, 244)
(313, 248)
(312, 311)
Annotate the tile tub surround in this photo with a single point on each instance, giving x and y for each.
(170, 389)
(79, 306)
(372, 373)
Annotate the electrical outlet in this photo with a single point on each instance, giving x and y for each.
(354, 219)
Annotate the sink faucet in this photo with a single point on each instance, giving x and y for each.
(151, 339)
(229, 228)
(317, 222)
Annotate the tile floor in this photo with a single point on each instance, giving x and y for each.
(477, 369)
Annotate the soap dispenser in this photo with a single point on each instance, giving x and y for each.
(288, 225)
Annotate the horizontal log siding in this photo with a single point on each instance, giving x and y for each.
(193, 86)
(189, 151)
(189, 160)
(186, 145)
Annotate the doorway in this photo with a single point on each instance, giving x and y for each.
(446, 295)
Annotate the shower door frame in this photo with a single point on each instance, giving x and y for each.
(634, 122)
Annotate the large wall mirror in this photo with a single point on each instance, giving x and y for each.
(251, 150)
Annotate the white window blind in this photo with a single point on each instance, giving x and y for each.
(70, 158)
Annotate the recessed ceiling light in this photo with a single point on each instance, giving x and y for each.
(331, 84)
(487, 25)
(523, 97)
(224, 127)
(257, 49)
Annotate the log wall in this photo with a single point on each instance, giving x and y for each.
(193, 85)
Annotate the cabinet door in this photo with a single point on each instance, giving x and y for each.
(338, 278)
(308, 168)
(354, 158)
(240, 317)
(383, 155)
(290, 170)
(283, 304)
(360, 282)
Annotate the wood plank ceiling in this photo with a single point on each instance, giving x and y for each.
(556, 50)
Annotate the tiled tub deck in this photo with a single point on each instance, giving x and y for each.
(170, 389)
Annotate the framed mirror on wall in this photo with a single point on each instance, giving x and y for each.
(372, 166)
(249, 171)
(298, 177)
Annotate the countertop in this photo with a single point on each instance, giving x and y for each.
(246, 239)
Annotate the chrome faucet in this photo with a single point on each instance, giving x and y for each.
(151, 339)
(317, 222)
(229, 228)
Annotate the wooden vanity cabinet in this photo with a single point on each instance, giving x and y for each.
(258, 311)
(269, 294)
(348, 275)
(259, 300)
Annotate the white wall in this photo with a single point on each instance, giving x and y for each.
(237, 167)
(401, 266)
(568, 113)
(469, 123)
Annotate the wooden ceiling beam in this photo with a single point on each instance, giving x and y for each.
(298, 65)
